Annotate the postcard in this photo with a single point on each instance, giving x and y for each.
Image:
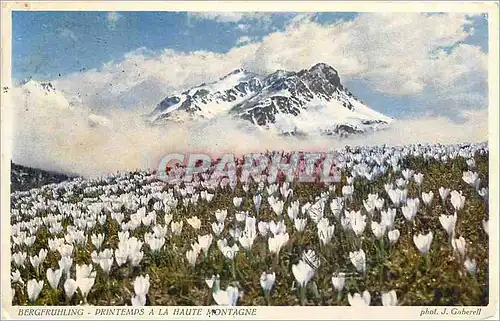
(249, 160)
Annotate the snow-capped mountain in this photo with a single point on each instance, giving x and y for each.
(43, 95)
(311, 100)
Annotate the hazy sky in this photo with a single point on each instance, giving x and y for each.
(404, 65)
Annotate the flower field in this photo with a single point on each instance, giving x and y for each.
(403, 226)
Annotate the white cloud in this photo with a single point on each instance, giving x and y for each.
(302, 18)
(149, 76)
(243, 26)
(113, 18)
(244, 21)
(243, 40)
(218, 16)
(224, 17)
(67, 33)
(50, 135)
(398, 54)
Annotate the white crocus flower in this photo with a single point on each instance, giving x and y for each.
(457, 200)
(357, 222)
(70, 286)
(195, 222)
(448, 222)
(485, 227)
(338, 281)
(85, 284)
(237, 201)
(246, 240)
(230, 251)
(138, 300)
(443, 193)
(66, 250)
(459, 246)
(16, 277)
(192, 256)
(358, 259)
(227, 297)
(141, 285)
(427, 198)
(470, 265)
(221, 215)
(106, 264)
(300, 224)
(389, 298)
(276, 242)
(205, 241)
(378, 229)
(257, 200)
(277, 228)
(35, 261)
(277, 207)
(217, 228)
(358, 300)
(97, 240)
(471, 178)
(176, 227)
(393, 236)
(423, 242)
(54, 276)
(325, 233)
(348, 191)
(65, 264)
(240, 216)
(267, 281)
(168, 218)
(34, 288)
(303, 273)
(213, 283)
(419, 178)
(388, 217)
(411, 209)
(19, 258)
(293, 210)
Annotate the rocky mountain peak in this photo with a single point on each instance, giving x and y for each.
(296, 99)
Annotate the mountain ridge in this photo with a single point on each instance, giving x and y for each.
(284, 101)
(23, 178)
